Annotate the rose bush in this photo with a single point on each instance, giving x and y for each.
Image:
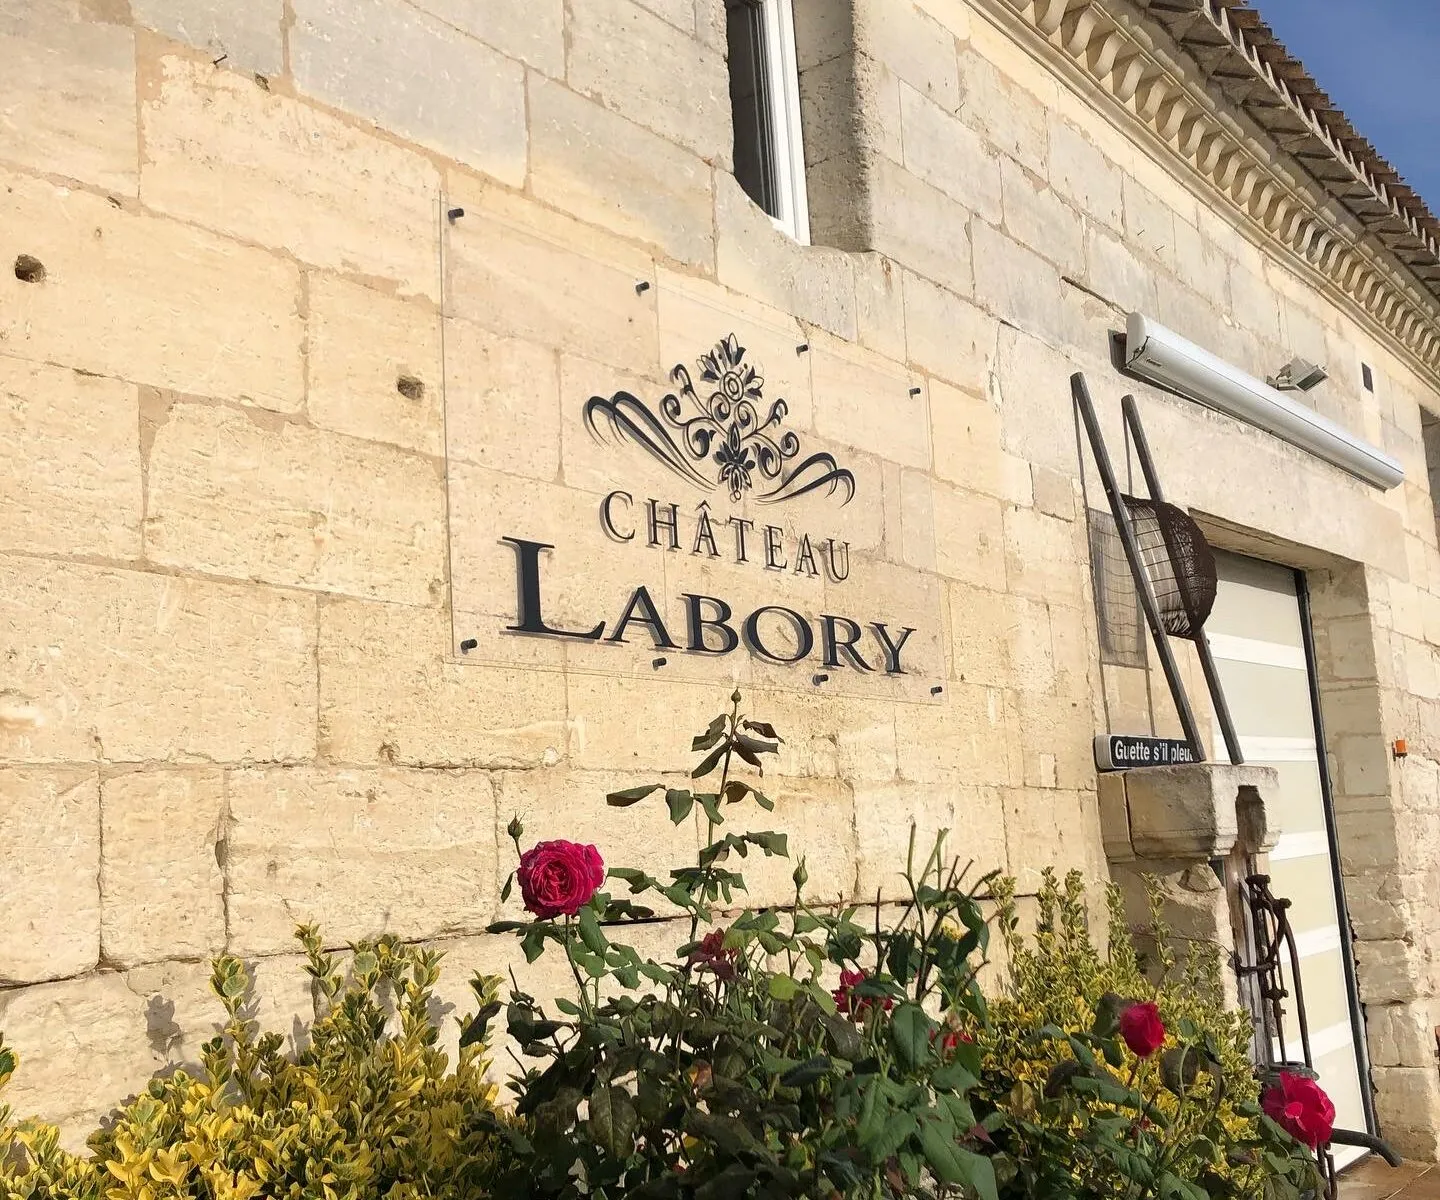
(1301, 1108)
(558, 878)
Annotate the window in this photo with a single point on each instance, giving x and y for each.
(765, 103)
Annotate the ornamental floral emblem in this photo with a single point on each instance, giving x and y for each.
(719, 439)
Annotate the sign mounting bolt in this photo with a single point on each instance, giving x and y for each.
(642, 286)
(468, 645)
(454, 215)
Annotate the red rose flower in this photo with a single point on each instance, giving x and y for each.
(853, 1005)
(950, 1040)
(558, 878)
(1301, 1108)
(1142, 1029)
(711, 955)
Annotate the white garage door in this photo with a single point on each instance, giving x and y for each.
(1257, 637)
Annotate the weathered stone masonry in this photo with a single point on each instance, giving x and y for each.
(262, 374)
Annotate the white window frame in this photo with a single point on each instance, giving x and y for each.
(787, 142)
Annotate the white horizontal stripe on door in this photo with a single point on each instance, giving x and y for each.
(1317, 941)
(1301, 845)
(1278, 749)
(1252, 650)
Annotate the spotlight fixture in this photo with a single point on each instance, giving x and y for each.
(1298, 375)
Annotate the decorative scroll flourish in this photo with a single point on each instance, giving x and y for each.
(721, 440)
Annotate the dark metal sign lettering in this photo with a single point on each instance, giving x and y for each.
(1121, 752)
(717, 443)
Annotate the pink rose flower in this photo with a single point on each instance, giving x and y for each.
(558, 878)
(1142, 1029)
(1301, 1108)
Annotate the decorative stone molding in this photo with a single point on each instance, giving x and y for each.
(1154, 58)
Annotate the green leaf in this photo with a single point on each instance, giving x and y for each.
(680, 802)
(509, 886)
(763, 800)
(710, 802)
(709, 762)
(774, 844)
(703, 741)
(629, 796)
(782, 987)
(533, 943)
(591, 933)
(805, 1073)
(953, 1078)
(910, 1034)
(764, 729)
(613, 1121)
(472, 1034)
(735, 791)
(952, 1163)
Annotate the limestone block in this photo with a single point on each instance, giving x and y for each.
(949, 155)
(1080, 170)
(524, 282)
(618, 725)
(823, 31)
(917, 521)
(1031, 645)
(1188, 811)
(123, 666)
(818, 819)
(1041, 556)
(966, 433)
(69, 462)
(294, 505)
(362, 851)
(827, 735)
(1364, 763)
(50, 843)
(228, 312)
(980, 630)
(534, 33)
(920, 227)
(603, 168)
(816, 283)
(914, 45)
(1407, 1109)
(267, 168)
(390, 692)
(636, 63)
(247, 37)
(1009, 116)
(502, 401)
(1016, 284)
(160, 880)
(1036, 217)
(969, 537)
(1253, 303)
(82, 1047)
(1056, 494)
(1149, 222)
(567, 804)
(1392, 971)
(849, 110)
(948, 336)
(709, 19)
(1049, 828)
(880, 311)
(1058, 731)
(1112, 270)
(68, 94)
(864, 401)
(1400, 1035)
(374, 363)
(965, 739)
(973, 818)
(1114, 817)
(413, 76)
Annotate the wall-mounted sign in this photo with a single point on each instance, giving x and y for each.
(700, 525)
(1121, 752)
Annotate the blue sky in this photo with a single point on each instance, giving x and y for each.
(1379, 60)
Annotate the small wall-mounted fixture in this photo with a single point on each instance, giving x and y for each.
(454, 215)
(657, 663)
(936, 690)
(642, 286)
(915, 391)
(1367, 377)
(818, 679)
(1401, 748)
(1298, 375)
(803, 348)
(1161, 356)
(468, 645)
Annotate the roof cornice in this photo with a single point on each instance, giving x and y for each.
(1185, 71)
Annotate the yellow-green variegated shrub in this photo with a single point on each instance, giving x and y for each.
(371, 1107)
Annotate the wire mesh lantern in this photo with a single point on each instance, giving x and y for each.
(1179, 563)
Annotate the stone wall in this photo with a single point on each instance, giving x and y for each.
(262, 400)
